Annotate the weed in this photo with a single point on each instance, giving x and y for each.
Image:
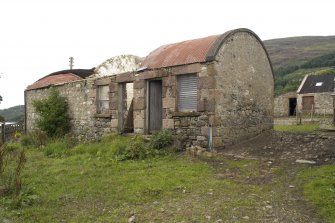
(161, 139)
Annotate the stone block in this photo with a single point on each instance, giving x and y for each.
(206, 82)
(114, 123)
(139, 103)
(217, 142)
(113, 87)
(201, 138)
(168, 123)
(169, 102)
(150, 74)
(139, 123)
(125, 77)
(186, 69)
(139, 84)
(203, 72)
(204, 130)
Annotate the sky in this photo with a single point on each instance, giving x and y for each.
(37, 37)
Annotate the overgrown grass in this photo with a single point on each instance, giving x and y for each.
(319, 188)
(95, 182)
(297, 128)
(87, 184)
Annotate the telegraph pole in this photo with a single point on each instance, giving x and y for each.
(71, 62)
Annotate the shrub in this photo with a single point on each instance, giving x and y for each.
(134, 151)
(53, 114)
(161, 139)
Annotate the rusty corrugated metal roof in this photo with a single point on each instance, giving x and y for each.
(186, 52)
(54, 79)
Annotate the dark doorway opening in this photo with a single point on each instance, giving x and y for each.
(292, 106)
(155, 112)
(126, 104)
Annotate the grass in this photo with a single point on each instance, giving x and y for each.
(89, 183)
(297, 128)
(319, 188)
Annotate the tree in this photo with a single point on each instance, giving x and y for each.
(53, 114)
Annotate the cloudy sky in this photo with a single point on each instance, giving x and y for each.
(37, 37)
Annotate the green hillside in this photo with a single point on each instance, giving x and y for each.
(13, 114)
(294, 57)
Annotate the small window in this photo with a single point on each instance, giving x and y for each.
(103, 99)
(187, 92)
(318, 84)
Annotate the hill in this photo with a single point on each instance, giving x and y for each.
(13, 114)
(294, 57)
(298, 50)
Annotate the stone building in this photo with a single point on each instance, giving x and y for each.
(212, 91)
(314, 94)
(285, 105)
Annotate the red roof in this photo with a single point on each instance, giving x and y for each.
(55, 79)
(187, 52)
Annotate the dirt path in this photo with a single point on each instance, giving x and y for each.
(277, 154)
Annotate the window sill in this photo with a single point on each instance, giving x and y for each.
(102, 115)
(186, 114)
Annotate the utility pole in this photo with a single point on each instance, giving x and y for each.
(0, 95)
(71, 62)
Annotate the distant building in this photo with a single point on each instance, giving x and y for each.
(285, 105)
(314, 94)
(215, 90)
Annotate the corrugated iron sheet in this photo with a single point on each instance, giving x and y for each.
(55, 79)
(186, 52)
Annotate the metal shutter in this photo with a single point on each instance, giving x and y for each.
(187, 89)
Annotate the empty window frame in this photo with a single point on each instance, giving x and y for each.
(187, 92)
(103, 99)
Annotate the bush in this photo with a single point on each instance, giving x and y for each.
(161, 139)
(134, 151)
(53, 114)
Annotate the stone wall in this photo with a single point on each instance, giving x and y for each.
(323, 102)
(81, 98)
(281, 104)
(244, 90)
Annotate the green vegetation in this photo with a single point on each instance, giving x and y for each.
(12, 161)
(53, 114)
(13, 114)
(292, 58)
(110, 180)
(291, 81)
(297, 128)
(319, 188)
(89, 183)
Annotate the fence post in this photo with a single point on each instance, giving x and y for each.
(3, 132)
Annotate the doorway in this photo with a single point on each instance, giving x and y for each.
(292, 106)
(155, 109)
(308, 103)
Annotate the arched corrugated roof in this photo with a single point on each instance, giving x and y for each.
(53, 79)
(186, 52)
(192, 51)
(61, 77)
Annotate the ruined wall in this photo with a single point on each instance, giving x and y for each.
(323, 102)
(244, 90)
(81, 98)
(281, 104)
